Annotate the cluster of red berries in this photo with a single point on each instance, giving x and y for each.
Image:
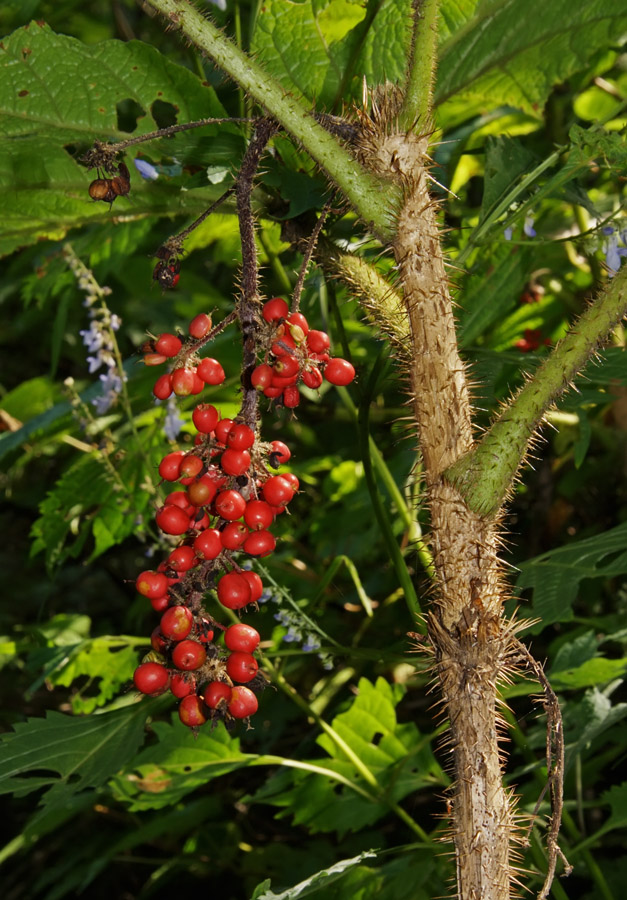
(294, 353)
(226, 504)
(189, 375)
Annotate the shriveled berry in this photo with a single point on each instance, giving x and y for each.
(291, 396)
(154, 359)
(312, 378)
(281, 452)
(182, 685)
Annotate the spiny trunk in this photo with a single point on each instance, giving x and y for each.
(466, 629)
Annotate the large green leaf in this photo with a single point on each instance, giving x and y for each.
(555, 576)
(177, 764)
(320, 880)
(67, 754)
(44, 121)
(400, 760)
(512, 52)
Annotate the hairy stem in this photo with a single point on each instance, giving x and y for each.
(418, 93)
(485, 475)
(373, 199)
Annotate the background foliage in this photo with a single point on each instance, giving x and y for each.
(336, 791)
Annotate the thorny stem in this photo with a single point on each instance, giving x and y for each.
(418, 93)
(311, 246)
(249, 303)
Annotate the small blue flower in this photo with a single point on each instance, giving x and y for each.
(528, 227)
(310, 643)
(146, 169)
(173, 422)
(507, 234)
(607, 230)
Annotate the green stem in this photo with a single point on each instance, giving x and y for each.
(277, 266)
(374, 200)
(352, 570)
(418, 93)
(485, 475)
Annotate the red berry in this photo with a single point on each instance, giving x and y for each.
(170, 466)
(191, 712)
(168, 344)
(154, 359)
(176, 623)
(281, 453)
(318, 341)
(283, 346)
(160, 603)
(201, 492)
(241, 666)
(205, 417)
(208, 544)
(151, 584)
(241, 637)
(234, 591)
(272, 392)
(339, 371)
(182, 685)
(277, 491)
(258, 515)
(230, 505)
(157, 641)
(199, 384)
(222, 429)
(255, 583)
(215, 692)
(312, 378)
(191, 466)
(189, 655)
(287, 367)
(235, 462)
(291, 480)
(234, 535)
(172, 520)
(210, 371)
(243, 703)
(291, 396)
(182, 382)
(262, 376)
(299, 321)
(151, 678)
(180, 499)
(200, 326)
(182, 559)
(240, 437)
(259, 543)
(275, 309)
(163, 387)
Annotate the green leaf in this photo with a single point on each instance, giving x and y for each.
(178, 763)
(513, 52)
(45, 122)
(320, 881)
(587, 720)
(106, 662)
(593, 672)
(616, 798)
(68, 754)
(398, 757)
(555, 576)
(304, 44)
(506, 159)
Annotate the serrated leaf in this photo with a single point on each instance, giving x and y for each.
(177, 764)
(590, 718)
(311, 885)
(107, 663)
(555, 576)
(513, 52)
(396, 755)
(73, 754)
